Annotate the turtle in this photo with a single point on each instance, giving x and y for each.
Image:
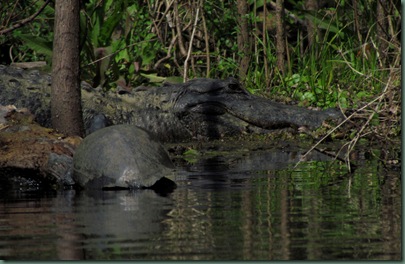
(121, 156)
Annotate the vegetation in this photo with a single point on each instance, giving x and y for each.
(337, 53)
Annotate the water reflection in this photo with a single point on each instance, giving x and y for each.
(247, 206)
(122, 219)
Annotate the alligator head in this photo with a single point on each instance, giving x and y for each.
(217, 108)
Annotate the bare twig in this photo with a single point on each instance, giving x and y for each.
(26, 20)
(11, 13)
(178, 29)
(264, 40)
(168, 53)
(378, 98)
(207, 47)
(164, 15)
(190, 46)
(359, 133)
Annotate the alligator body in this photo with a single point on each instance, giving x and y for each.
(200, 108)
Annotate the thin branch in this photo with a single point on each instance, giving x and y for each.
(179, 31)
(164, 15)
(207, 47)
(190, 47)
(168, 53)
(378, 98)
(370, 117)
(264, 40)
(26, 20)
(11, 13)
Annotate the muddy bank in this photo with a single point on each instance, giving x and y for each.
(27, 148)
(33, 157)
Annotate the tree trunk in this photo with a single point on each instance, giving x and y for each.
(312, 7)
(66, 108)
(356, 25)
(382, 30)
(244, 41)
(280, 36)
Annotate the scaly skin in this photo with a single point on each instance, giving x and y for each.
(201, 108)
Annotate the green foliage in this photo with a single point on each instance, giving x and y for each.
(119, 31)
(125, 40)
(39, 44)
(334, 71)
(191, 156)
(30, 43)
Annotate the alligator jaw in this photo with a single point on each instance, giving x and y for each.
(272, 115)
(257, 111)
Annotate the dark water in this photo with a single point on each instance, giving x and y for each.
(250, 206)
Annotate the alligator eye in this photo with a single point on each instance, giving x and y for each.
(234, 86)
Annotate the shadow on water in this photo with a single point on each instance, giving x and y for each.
(80, 225)
(249, 205)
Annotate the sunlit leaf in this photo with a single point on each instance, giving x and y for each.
(154, 78)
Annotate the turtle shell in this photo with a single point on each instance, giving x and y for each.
(123, 156)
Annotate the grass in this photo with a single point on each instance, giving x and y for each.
(339, 73)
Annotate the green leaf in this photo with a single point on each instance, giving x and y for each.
(362, 94)
(318, 90)
(191, 152)
(324, 24)
(175, 79)
(48, 11)
(343, 102)
(309, 96)
(294, 79)
(95, 33)
(109, 25)
(191, 155)
(154, 78)
(108, 4)
(38, 44)
(122, 55)
(375, 120)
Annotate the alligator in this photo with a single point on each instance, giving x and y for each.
(198, 109)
